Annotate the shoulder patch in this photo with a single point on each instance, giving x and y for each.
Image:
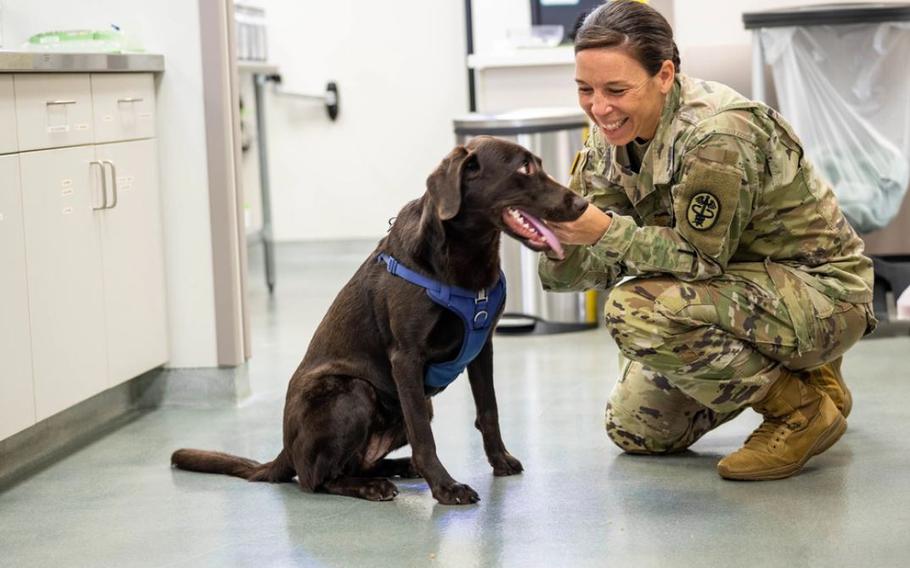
(705, 203)
(703, 211)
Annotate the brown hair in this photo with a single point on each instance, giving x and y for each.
(632, 26)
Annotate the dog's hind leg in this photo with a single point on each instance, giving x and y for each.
(398, 467)
(372, 489)
(336, 423)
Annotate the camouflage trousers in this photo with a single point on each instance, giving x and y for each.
(698, 353)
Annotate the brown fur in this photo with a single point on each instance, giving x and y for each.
(359, 392)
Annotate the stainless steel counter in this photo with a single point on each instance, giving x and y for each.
(31, 62)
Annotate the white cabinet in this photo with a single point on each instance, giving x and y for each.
(53, 110)
(131, 246)
(61, 206)
(8, 139)
(82, 305)
(17, 399)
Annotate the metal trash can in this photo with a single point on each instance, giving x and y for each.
(840, 78)
(554, 134)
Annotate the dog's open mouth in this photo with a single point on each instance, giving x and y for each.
(531, 230)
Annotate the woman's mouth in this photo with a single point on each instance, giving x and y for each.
(611, 127)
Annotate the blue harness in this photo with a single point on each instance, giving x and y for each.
(476, 310)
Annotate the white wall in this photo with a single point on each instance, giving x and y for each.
(401, 73)
(169, 27)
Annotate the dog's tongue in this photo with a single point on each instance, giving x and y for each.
(545, 232)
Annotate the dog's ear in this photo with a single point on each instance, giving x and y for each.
(444, 184)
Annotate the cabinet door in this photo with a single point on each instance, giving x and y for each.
(66, 299)
(133, 260)
(53, 110)
(17, 396)
(124, 106)
(8, 141)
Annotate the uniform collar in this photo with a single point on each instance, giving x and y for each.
(661, 149)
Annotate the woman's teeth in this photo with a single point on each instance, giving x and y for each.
(612, 126)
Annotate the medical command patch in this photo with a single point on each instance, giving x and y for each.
(703, 211)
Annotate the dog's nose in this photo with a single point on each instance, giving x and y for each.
(577, 203)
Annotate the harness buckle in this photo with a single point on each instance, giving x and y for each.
(481, 296)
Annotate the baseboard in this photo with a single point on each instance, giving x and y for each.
(195, 387)
(58, 436)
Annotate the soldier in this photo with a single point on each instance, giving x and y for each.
(747, 282)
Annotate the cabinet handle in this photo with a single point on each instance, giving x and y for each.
(103, 186)
(130, 100)
(113, 180)
(66, 102)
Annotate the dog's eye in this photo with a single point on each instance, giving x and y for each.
(472, 165)
(528, 167)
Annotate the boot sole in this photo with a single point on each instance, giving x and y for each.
(824, 441)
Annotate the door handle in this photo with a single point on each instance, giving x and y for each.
(113, 180)
(61, 102)
(103, 186)
(130, 100)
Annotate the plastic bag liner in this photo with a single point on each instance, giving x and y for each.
(846, 91)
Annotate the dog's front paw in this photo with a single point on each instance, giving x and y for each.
(455, 494)
(378, 490)
(505, 464)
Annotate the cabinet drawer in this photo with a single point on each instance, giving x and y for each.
(8, 140)
(53, 110)
(124, 106)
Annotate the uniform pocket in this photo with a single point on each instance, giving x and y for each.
(809, 309)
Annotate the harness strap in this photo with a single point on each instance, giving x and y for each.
(474, 309)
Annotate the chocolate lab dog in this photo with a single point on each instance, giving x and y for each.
(365, 383)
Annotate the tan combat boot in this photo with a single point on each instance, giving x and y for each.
(829, 380)
(800, 422)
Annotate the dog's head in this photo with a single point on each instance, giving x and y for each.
(492, 181)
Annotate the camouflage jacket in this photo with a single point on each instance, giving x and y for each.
(724, 180)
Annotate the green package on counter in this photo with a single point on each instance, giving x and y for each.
(83, 41)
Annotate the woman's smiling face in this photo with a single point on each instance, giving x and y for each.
(619, 95)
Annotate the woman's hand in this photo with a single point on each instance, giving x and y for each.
(586, 230)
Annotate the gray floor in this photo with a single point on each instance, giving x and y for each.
(580, 502)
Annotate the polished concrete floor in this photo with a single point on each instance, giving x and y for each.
(580, 502)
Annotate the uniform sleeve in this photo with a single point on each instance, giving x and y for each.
(585, 267)
(712, 204)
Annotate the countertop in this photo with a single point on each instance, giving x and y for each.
(530, 57)
(42, 62)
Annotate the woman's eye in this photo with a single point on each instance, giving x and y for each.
(616, 92)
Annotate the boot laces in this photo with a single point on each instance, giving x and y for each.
(769, 433)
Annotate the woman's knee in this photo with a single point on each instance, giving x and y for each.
(636, 433)
(636, 318)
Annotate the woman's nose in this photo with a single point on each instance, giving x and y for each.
(601, 106)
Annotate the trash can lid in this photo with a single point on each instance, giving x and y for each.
(828, 14)
(521, 121)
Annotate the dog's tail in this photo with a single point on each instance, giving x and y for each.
(276, 471)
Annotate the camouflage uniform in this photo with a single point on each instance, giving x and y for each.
(741, 262)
